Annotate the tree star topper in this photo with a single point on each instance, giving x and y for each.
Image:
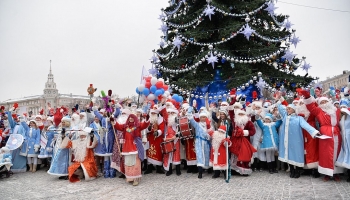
(289, 56)
(209, 11)
(247, 31)
(212, 59)
(177, 42)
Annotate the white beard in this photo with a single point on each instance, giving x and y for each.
(39, 123)
(217, 139)
(171, 120)
(80, 147)
(153, 119)
(249, 110)
(328, 108)
(122, 119)
(6, 123)
(241, 121)
(301, 109)
(223, 107)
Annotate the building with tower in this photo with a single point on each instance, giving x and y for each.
(50, 98)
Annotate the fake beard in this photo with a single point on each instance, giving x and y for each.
(241, 121)
(217, 139)
(153, 119)
(171, 120)
(39, 123)
(301, 109)
(122, 119)
(6, 123)
(328, 108)
(80, 149)
(83, 120)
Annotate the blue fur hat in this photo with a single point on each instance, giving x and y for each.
(344, 102)
(269, 116)
(292, 106)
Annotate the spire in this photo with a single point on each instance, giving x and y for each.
(50, 67)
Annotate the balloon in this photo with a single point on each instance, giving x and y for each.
(180, 99)
(153, 80)
(158, 92)
(141, 87)
(137, 91)
(162, 90)
(148, 85)
(161, 79)
(148, 79)
(165, 87)
(175, 96)
(151, 97)
(146, 91)
(159, 84)
(153, 89)
(142, 98)
(166, 93)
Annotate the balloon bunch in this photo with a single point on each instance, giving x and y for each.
(152, 88)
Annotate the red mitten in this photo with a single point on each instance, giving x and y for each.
(227, 140)
(305, 93)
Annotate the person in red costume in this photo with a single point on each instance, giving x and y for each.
(328, 117)
(132, 150)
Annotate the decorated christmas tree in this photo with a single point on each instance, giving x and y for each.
(231, 43)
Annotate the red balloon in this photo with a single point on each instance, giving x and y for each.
(159, 84)
(147, 79)
(148, 85)
(165, 87)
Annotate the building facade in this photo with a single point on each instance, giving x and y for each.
(337, 82)
(50, 98)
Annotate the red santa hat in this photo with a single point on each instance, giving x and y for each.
(240, 111)
(237, 104)
(39, 116)
(322, 99)
(14, 116)
(257, 104)
(154, 109)
(185, 105)
(170, 110)
(49, 119)
(248, 104)
(224, 103)
(233, 92)
(296, 100)
(169, 103)
(267, 103)
(222, 129)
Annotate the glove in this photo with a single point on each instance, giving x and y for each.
(36, 149)
(155, 133)
(94, 108)
(108, 119)
(49, 149)
(305, 93)
(239, 132)
(111, 119)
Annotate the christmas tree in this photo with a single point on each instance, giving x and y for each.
(243, 41)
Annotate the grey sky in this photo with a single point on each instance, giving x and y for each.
(106, 42)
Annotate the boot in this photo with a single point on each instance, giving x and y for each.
(30, 167)
(170, 172)
(63, 177)
(144, 162)
(122, 176)
(194, 169)
(296, 172)
(189, 169)
(200, 171)
(216, 174)
(106, 169)
(101, 167)
(348, 180)
(34, 168)
(149, 169)
(135, 183)
(270, 167)
(184, 162)
(210, 170)
(274, 167)
(291, 168)
(315, 173)
(159, 170)
(178, 171)
(224, 172)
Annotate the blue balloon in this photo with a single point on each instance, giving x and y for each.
(161, 89)
(137, 91)
(146, 91)
(180, 99)
(153, 89)
(158, 92)
(175, 96)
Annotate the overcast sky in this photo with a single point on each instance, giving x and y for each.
(106, 42)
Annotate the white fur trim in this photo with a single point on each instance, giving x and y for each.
(103, 155)
(325, 171)
(345, 110)
(154, 162)
(245, 132)
(309, 100)
(129, 153)
(314, 133)
(191, 162)
(313, 165)
(87, 177)
(64, 143)
(54, 174)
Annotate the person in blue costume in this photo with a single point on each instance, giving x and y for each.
(343, 159)
(98, 133)
(31, 144)
(61, 157)
(49, 134)
(291, 141)
(19, 163)
(269, 140)
(108, 141)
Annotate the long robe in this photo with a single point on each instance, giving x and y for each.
(344, 155)
(154, 152)
(329, 149)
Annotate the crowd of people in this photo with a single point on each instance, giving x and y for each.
(309, 136)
